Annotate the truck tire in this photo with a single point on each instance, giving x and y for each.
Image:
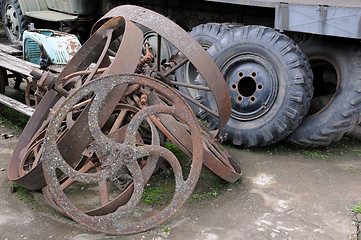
(270, 83)
(206, 35)
(335, 106)
(14, 21)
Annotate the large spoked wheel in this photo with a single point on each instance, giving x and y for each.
(335, 106)
(75, 74)
(13, 19)
(114, 157)
(269, 82)
(116, 192)
(206, 35)
(188, 50)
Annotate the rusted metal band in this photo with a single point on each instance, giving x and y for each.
(89, 53)
(185, 44)
(33, 180)
(216, 158)
(92, 49)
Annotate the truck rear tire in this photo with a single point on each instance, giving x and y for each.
(270, 83)
(335, 107)
(14, 21)
(206, 35)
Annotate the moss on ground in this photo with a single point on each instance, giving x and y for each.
(12, 119)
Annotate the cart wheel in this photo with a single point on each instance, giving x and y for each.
(114, 157)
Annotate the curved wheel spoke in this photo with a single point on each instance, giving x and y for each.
(122, 156)
(102, 55)
(168, 156)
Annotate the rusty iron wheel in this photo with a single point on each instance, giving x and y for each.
(116, 192)
(72, 76)
(188, 50)
(114, 155)
(30, 169)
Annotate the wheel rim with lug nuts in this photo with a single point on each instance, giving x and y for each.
(253, 84)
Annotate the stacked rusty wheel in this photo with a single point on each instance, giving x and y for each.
(99, 125)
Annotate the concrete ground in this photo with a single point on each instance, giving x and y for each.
(285, 193)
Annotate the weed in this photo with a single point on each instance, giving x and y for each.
(154, 195)
(175, 150)
(356, 208)
(162, 187)
(316, 154)
(203, 173)
(213, 192)
(277, 148)
(23, 194)
(208, 186)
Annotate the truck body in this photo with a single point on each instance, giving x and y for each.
(325, 48)
(325, 17)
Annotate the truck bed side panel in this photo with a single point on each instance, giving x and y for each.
(273, 3)
(324, 20)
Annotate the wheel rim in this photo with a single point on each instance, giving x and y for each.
(326, 82)
(12, 22)
(253, 86)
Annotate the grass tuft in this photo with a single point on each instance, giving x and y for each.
(356, 208)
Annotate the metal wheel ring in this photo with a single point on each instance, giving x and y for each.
(186, 45)
(34, 180)
(107, 223)
(122, 198)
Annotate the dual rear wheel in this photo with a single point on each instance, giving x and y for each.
(272, 89)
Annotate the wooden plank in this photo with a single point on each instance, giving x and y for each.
(17, 65)
(10, 50)
(16, 105)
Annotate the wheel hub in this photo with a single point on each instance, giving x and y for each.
(11, 21)
(252, 84)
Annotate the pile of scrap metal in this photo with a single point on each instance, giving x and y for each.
(101, 124)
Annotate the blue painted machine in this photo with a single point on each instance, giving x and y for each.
(45, 47)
